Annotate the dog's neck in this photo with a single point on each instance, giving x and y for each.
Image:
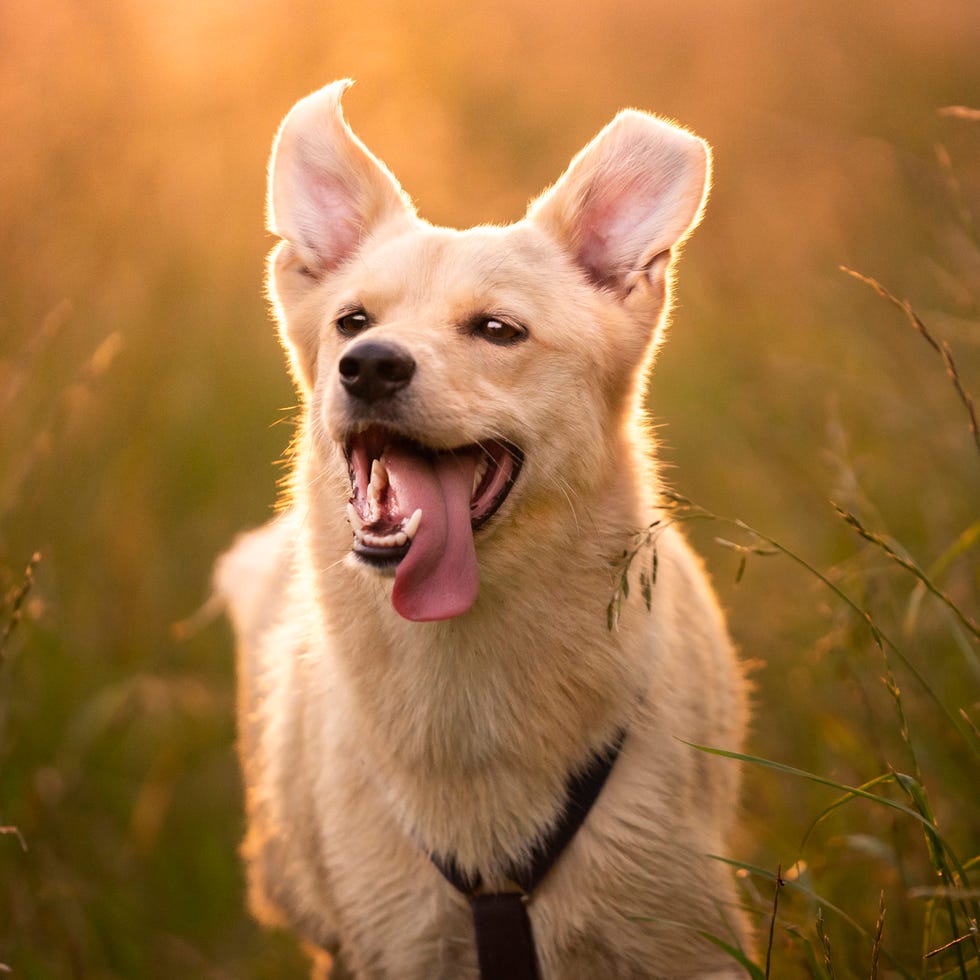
(481, 728)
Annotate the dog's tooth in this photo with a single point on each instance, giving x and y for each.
(397, 539)
(379, 479)
(412, 525)
(355, 519)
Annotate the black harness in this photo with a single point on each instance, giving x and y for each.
(504, 941)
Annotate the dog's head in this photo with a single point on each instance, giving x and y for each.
(461, 375)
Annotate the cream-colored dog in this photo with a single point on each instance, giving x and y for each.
(425, 655)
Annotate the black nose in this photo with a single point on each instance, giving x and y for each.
(373, 371)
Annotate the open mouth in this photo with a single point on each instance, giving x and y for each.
(414, 510)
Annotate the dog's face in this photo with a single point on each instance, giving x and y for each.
(456, 376)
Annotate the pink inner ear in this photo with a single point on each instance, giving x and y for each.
(593, 249)
(333, 229)
(612, 225)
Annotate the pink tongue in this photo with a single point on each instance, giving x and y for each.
(438, 578)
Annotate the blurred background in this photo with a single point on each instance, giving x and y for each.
(144, 402)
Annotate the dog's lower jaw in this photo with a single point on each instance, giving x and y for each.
(382, 565)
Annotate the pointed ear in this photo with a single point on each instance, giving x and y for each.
(630, 196)
(326, 190)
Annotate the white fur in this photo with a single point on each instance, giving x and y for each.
(366, 738)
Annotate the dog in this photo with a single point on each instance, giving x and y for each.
(427, 659)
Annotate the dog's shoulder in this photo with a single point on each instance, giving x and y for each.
(256, 579)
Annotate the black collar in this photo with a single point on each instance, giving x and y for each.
(504, 943)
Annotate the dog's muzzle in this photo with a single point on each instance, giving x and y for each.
(414, 510)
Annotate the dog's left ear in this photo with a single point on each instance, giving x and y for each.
(634, 193)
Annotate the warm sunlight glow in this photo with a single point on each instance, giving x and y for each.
(144, 394)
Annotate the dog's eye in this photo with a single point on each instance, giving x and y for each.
(499, 331)
(351, 324)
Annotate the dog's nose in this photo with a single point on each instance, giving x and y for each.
(373, 371)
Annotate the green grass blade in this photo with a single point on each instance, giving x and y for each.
(754, 971)
(839, 802)
(903, 561)
(812, 777)
(972, 968)
(964, 543)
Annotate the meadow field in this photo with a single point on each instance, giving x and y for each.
(813, 404)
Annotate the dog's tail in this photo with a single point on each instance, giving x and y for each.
(246, 575)
(240, 582)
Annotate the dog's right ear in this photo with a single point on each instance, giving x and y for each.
(327, 191)
(327, 194)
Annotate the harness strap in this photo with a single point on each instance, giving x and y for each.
(504, 943)
(504, 940)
